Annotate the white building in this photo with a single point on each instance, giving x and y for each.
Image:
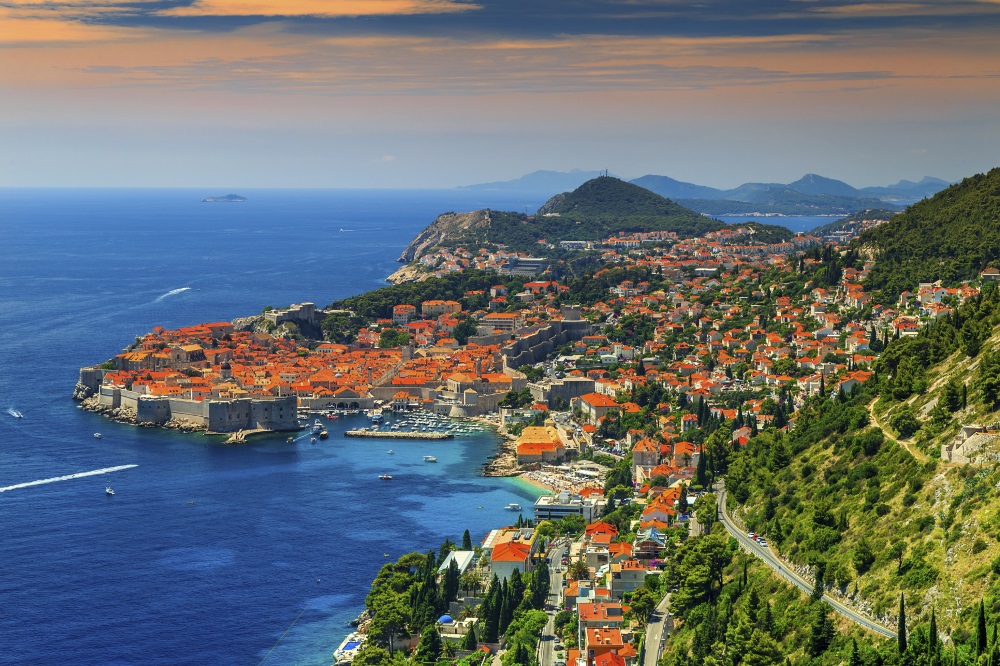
(557, 507)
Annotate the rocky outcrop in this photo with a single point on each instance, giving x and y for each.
(445, 226)
(551, 203)
(413, 272)
(504, 461)
(81, 391)
(248, 323)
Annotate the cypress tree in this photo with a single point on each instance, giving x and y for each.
(901, 630)
(466, 541)
(469, 642)
(855, 658)
(981, 630)
(932, 647)
(506, 609)
(965, 396)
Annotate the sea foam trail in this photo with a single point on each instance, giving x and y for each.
(172, 292)
(68, 477)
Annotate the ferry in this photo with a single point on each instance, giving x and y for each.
(430, 459)
(513, 507)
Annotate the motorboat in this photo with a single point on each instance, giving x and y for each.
(513, 507)
(323, 434)
(108, 490)
(385, 477)
(98, 435)
(430, 459)
(16, 414)
(312, 440)
(390, 452)
(290, 440)
(317, 427)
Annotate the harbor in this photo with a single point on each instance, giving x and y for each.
(398, 434)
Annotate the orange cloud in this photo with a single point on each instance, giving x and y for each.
(322, 8)
(19, 28)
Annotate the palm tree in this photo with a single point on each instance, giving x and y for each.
(579, 570)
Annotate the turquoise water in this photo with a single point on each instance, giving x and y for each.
(206, 554)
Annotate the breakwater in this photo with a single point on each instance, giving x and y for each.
(391, 434)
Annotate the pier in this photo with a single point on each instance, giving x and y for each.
(396, 434)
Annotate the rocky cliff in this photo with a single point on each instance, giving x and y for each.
(446, 226)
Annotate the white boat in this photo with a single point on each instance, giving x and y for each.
(16, 414)
(430, 459)
(513, 507)
(98, 435)
(385, 477)
(108, 490)
(390, 452)
(317, 427)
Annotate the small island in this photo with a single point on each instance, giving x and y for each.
(229, 198)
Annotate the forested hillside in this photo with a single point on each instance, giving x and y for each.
(950, 237)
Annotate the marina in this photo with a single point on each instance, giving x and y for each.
(395, 434)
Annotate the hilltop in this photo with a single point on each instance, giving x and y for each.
(600, 207)
(951, 237)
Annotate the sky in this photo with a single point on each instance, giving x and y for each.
(439, 93)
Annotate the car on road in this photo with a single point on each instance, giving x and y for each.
(751, 535)
(762, 542)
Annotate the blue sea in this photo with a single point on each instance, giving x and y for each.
(797, 223)
(206, 554)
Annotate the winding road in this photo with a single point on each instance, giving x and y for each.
(770, 560)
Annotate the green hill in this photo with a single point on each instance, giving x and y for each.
(950, 237)
(608, 205)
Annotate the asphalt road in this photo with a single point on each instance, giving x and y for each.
(657, 630)
(768, 557)
(546, 645)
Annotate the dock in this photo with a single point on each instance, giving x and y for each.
(397, 434)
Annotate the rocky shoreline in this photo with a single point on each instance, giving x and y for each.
(504, 461)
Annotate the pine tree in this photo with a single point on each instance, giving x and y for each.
(817, 592)
(901, 630)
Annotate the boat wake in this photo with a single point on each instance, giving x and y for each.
(172, 292)
(16, 414)
(68, 477)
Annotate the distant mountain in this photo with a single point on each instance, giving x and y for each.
(906, 191)
(782, 200)
(676, 189)
(950, 237)
(540, 181)
(813, 184)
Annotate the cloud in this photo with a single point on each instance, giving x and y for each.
(29, 28)
(318, 8)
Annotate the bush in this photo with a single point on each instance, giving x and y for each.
(909, 499)
(979, 546)
(881, 509)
